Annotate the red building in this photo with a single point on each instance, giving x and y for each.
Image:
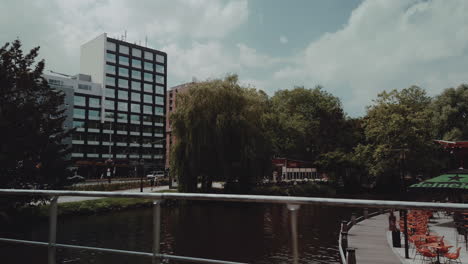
(289, 170)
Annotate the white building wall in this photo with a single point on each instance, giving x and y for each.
(92, 61)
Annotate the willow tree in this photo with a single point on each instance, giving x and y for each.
(220, 134)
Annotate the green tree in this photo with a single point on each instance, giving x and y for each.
(31, 122)
(398, 135)
(450, 111)
(220, 133)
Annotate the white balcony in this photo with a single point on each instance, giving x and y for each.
(95, 130)
(122, 144)
(107, 131)
(78, 142)
(119, 132)
(134, 133)
(77, 155)
(147, 134)
(107, 143)
(93, 142)
(92, 155)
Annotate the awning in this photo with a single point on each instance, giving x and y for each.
(445, 181)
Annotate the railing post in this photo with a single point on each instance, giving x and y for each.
(344, 226)
(156, 231)
(52, 229)
(353, 218)
(351, 256)
(294, 208)
(344, 241)
(366, 213)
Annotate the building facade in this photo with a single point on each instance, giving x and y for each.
(117, 106)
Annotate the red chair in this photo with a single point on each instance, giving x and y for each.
(453, 257)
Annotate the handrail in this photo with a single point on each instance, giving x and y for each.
(293, 205)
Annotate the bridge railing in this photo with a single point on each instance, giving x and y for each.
(292, 203)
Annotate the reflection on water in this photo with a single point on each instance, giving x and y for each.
(253, 233)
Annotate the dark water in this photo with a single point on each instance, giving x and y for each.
(253, 233)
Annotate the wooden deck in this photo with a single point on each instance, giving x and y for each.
(369, 237)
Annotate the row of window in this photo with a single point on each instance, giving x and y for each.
(136, 97)
(115, 138)
(136, 86)
(118, 151)
(81, 101)
(135, 52)
(134, 108)
(124, 83)
(91, 124)
(123, 71)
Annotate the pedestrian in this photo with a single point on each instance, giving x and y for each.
(393, 228)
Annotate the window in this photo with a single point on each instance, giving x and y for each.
(79, 100)
(110, 69)
(93, 137)
(77, 123)
(136, 85)
(122, 106)
(135, 128)
(110, 92)
(123, 83)
(148, 66)
(160, 58)
(159, 68)
(136, 74)
(78, 136)
(146, 118)
(136, 63)
(136, 52)
(159, 100)
(148, 87)
(160, 79)
(123, 72)
(147, 98)
(158, 119)
(136, 97)
(94, 102)
(123, 49)
(110, 57)
(111, 46)
(148, 77)
(123, 60)
(94, 113)
(110, 81)
(135, 117)
(93, 124)
(159, 89)
(55, 82)
(158, 110)
(122, 127)
(147, 109)
(84, 87)
(148, 55)
(135, 108)
(109, 104)
(122, 95)
(108, 114)
(122, 116)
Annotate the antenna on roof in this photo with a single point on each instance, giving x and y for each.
(125, 34)
(146, 41)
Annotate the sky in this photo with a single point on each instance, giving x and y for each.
(355, 49)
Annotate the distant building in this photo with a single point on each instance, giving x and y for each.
(117, 105)
(171, 106)
(290, 170)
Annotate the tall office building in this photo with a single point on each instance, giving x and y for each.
(121, 117)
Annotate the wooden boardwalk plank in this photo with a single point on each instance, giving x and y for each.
(370, 240)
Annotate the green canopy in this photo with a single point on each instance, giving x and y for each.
(445, 181)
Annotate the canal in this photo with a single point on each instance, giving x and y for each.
(253, 233)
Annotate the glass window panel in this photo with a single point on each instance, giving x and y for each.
(123, 83)
(123, 49)
(123, 60)
(110, 69)
(148, 55)
(122, 106)
(147, 98)
(147, 109)
(94, 113)
(136, 52)
(110, 92)
(136, 97)
(77, 123)
(136, 63)
(122, 95)
(136, 85)
(148, 87)
(123, 72)
(159, 68)
(79, 100)
(96, 102)
(159, 58)
(160, 79)
(159, 89)
(159, 100)
(111, 46)
(158, 110)
(108, 114)
(146, 118)
(148, 66)
(135, 117)
(136, 74)
(109, 104)
(110, 57)
(148, 77)
(110, 81)
(122, 116)
(135, 108)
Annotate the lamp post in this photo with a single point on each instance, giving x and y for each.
(142, 173)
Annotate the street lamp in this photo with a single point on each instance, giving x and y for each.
(142, 173)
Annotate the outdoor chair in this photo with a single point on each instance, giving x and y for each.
(453, 257)
(424, 254)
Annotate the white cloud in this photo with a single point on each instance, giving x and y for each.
(387, 45)
(283, 39)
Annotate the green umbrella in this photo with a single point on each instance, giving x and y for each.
(445, 181)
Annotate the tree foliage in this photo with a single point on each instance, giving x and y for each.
(220, 132)
(31, 122)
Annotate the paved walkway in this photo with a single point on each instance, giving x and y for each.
(68, 199)
(369, 237)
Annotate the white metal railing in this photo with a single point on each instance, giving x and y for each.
(293, 205)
